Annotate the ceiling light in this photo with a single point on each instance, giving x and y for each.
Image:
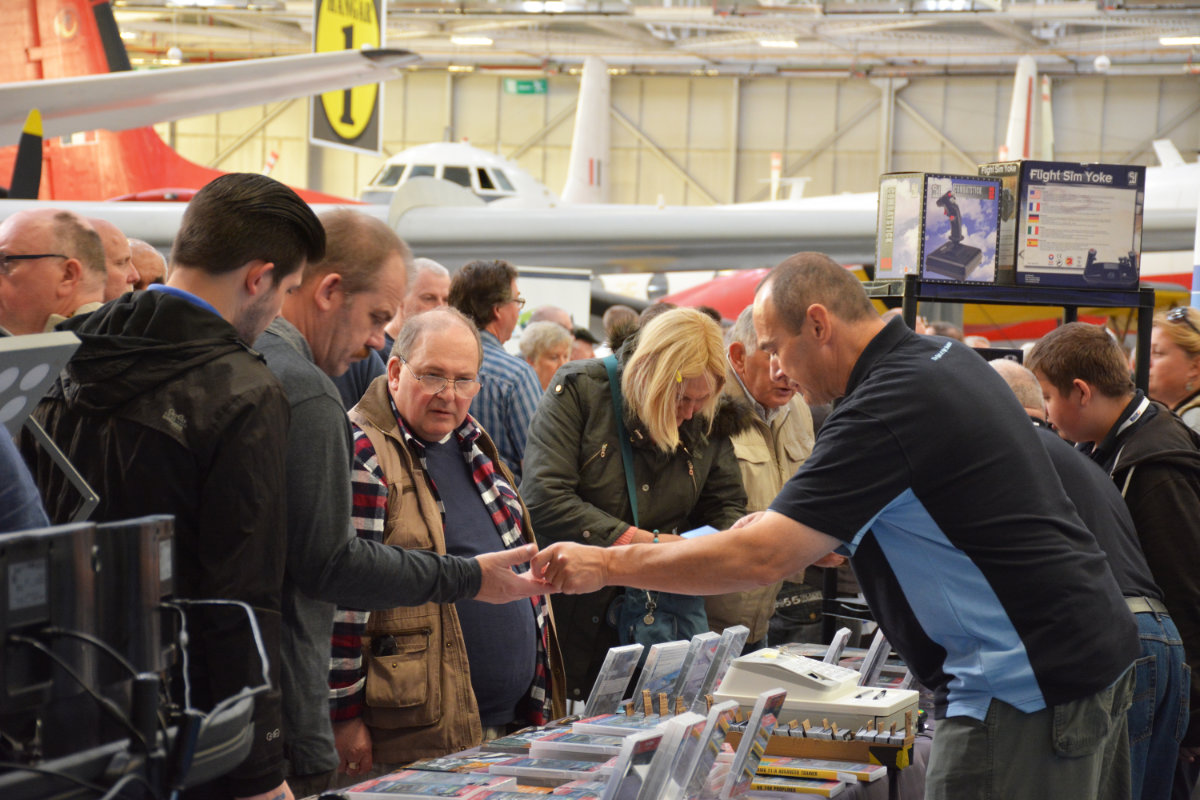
(779, 43)
(1179, 41)
(471, 41)
(460, 68)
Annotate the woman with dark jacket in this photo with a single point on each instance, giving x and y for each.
(684, 472)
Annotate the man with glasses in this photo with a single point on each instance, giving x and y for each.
(51, 268)
(486, 291)
(338, 313)
(412, 683)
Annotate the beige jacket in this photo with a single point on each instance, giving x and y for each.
(768, 455)
(419, 703)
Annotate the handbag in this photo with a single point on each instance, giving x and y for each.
(641, 616)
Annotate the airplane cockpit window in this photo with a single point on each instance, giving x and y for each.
(389, 175)
(459, 175)
(421, 170)
(502, 179)
(485, 182)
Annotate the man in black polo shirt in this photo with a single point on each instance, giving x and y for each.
(971, 556)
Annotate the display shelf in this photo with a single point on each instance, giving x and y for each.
(911, 290)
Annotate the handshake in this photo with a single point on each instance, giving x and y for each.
(551, 570)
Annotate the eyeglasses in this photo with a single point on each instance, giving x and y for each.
(1180, 314)
(520, 301)
(465, 388)
(7, 260)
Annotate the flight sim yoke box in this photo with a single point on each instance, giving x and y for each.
(1070, 224)
(939, 227)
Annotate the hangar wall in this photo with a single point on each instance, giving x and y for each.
(696, 140)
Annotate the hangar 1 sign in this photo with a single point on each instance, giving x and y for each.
(350, 118)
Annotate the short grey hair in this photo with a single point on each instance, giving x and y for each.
(419, 265)
(538, 337)
(742, 330)
(1024, 384)
(432, 321)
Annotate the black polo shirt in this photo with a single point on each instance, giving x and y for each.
(968, 551)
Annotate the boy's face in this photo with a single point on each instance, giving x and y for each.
(1065, 411)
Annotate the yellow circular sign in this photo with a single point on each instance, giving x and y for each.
(348, 25)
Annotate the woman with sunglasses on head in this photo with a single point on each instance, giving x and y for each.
(1175, 363)
(673, 432)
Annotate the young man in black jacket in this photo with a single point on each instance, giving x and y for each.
(1153, 457)
(166, 409)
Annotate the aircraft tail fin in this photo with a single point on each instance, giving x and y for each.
(1018, 140)
(587, 171)
(1046, 151)
(27, 170)
(59, 39)
(1168, 154)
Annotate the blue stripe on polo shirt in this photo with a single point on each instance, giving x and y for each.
(957, 608)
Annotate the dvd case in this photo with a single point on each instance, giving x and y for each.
(754, 742)
(733, 639)
(661, 670)
(613, 679)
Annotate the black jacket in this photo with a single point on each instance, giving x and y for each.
(1155, 462)
(164, 410)
(574, 486)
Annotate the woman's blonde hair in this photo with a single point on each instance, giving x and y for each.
(673, 347)
(1183, 329)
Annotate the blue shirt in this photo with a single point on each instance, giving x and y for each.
(509, 394)
(973, 560)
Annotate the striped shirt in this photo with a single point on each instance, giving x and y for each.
(509, 394)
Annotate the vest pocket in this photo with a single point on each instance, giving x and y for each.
(404, 684)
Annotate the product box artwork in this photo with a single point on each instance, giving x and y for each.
(1070, 224)
(941, 227)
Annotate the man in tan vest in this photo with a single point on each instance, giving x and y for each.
(768, 452)
(433, 679)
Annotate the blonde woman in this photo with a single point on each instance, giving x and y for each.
(1175, 363)
(683, 468)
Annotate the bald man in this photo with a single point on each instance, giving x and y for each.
(150, 265)
(51, 268)
(118, 259)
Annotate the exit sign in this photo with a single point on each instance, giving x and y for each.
(524, 86)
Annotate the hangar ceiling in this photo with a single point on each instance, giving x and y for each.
(827, 38)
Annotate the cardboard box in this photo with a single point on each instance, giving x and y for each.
(940, 227)
(1069, 224)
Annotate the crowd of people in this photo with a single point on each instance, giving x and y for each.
(441, 538)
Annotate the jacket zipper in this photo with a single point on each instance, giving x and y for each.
(603, 453)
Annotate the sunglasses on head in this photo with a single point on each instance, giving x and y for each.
(1180, 314)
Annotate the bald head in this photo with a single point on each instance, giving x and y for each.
(1024, 385)
(118, 259)
(552, 314)
(68, 273)
(150, 265)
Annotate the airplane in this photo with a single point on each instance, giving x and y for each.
(65, 58)
(453, 224)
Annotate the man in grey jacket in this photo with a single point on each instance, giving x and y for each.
(334, 318)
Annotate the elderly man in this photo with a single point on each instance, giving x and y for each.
(440, 677)
(972, 558)
(165, 409)
(150, 265)
(336, 314)
(51, 268)
(778, 440)
(486, 291)
(118, 259)
(552, 314)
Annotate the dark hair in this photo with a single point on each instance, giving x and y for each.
(79, 240)
(806, 279)
(653, 310)
(479, 287)
(1081, 351)
(243, 217)
(356, 245)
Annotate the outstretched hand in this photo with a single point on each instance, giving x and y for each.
(572, 568)
(501, 585)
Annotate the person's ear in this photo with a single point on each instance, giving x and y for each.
(737, 355)
(260, 277)
(394, 368)
(328, 291)
(1086, 393)
(819, 318)
(71, 277)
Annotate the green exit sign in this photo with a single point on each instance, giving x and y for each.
(524, 86)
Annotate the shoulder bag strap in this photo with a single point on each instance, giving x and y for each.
(614, 386)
